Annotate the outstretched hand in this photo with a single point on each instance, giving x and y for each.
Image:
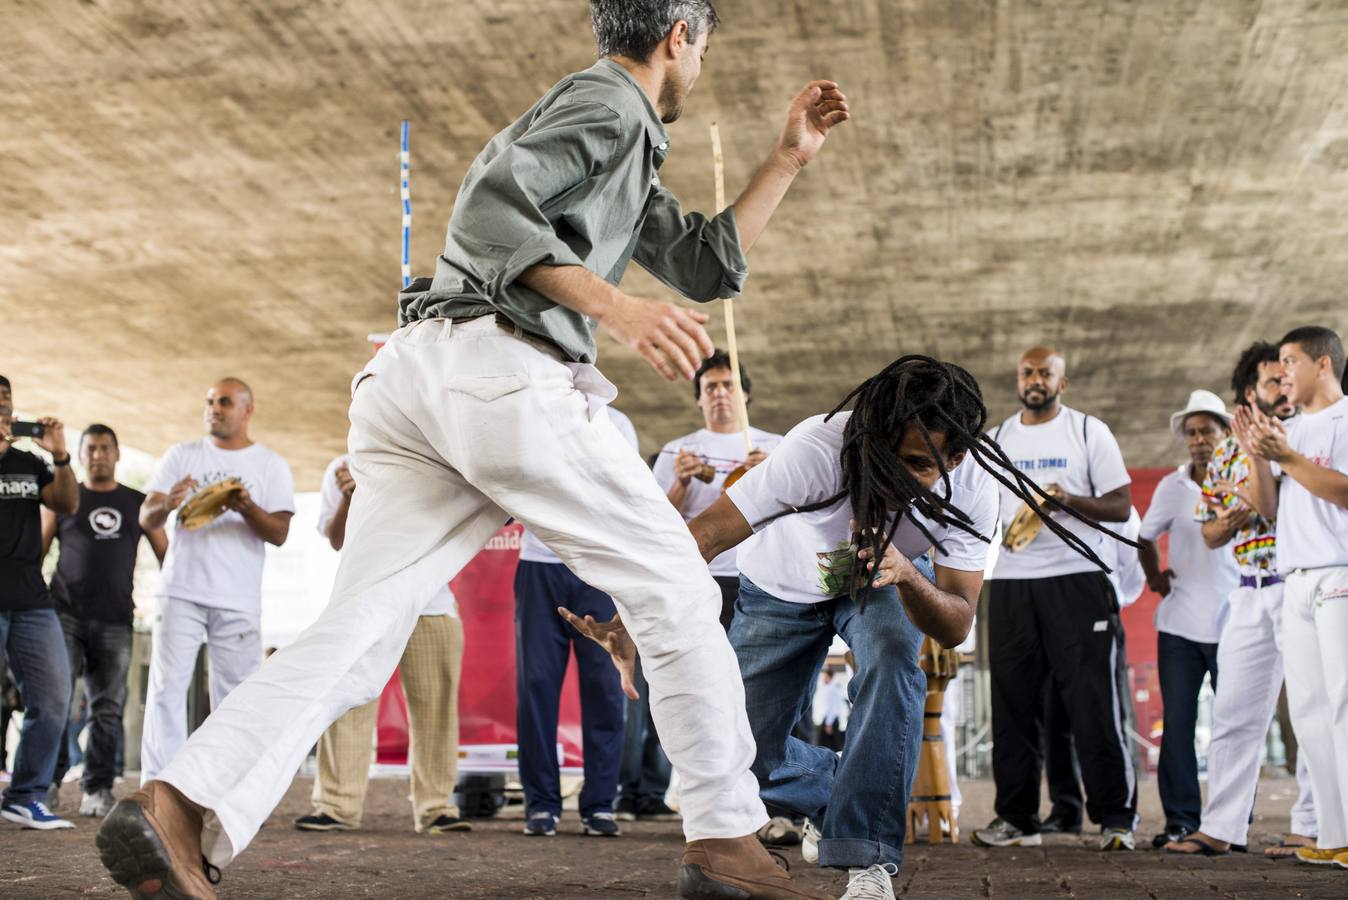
(613, 637)
(813, 113)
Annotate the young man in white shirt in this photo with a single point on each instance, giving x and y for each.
(1301, 472)
(429, 672)
(543, 646)
(1053, 616)
(1249, 649)
(717, 449)
(212, 579)
(1193, 588)
(906, 471)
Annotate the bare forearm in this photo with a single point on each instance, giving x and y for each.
(1109, 508)
(65, 493)
(678, 495)
(1325, 483)
(1215, 535)
(755, 206)
(718, 528)
(273, 528)
(1263, 488)
(574, 287)
(1150, 559)
(337, 527)
(154, 512)
(945, 615)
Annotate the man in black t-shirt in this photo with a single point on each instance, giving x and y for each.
(92, 590)
(29, 630)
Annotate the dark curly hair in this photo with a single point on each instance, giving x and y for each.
(1246, 374)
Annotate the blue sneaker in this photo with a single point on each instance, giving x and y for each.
(541, 824)
(33, 814)
(600, 824)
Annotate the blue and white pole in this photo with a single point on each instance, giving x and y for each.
(405, 159)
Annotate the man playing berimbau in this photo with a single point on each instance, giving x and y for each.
(485, 405)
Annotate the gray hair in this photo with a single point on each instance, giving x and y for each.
(633, 28)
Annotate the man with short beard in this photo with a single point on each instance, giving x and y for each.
(93, 592)
(212, 584)
(485, 405)
(1250, 645)
(1053, 617)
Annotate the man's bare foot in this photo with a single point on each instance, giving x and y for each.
(1287, 847)
(1199, 844)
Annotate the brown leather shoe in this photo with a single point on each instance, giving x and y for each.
(737, 869)
(151, 844)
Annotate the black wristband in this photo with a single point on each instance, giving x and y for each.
(61, 462)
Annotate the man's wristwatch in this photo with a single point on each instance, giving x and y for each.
(61, 462)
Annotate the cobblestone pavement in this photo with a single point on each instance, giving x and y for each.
(386, 860)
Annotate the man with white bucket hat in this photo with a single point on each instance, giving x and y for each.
(1193, 588)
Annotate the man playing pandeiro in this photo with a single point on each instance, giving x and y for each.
(908, 469)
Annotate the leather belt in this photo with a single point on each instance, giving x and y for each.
(503, 321)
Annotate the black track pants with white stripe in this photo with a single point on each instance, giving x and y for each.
(1064, 628)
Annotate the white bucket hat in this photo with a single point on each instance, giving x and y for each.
(1199, 402)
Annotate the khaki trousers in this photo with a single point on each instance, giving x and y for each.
(429, 670)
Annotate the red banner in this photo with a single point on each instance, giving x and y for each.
(485, 590)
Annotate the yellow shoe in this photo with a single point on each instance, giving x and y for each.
(1342, 860)
(1318, 857)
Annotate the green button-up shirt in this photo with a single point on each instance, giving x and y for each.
(575, 181)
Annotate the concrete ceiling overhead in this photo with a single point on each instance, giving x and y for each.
(196, 188)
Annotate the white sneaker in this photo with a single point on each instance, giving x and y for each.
(871, 883)
(1117, 839)
(1002, 833)
(98, 804)
(809, 843)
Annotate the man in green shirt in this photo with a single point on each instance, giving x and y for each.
(485, 405)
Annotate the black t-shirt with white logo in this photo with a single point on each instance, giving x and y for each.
(22, 478)
(95, 570)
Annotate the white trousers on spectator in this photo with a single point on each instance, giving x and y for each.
(455, 427)
(234, 649)
(1250, 666)
(1315, 636)
(951, 712)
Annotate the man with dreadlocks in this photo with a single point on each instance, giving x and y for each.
(1053, 616)
(908, 469)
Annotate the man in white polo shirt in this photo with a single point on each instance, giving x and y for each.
(716, 450)
(1193, 588)
(1308, 478)
(429, 672)
(212, 579)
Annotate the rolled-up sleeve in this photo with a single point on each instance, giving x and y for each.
(512, 213)
(696, 256)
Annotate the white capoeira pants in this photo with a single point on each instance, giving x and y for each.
(1315, 635)
(1250, 662)
(454, 428)
(234, 650)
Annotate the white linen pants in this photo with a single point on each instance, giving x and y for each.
(234, 649)
(1250, 662)
(1315, 634)
(455, 427)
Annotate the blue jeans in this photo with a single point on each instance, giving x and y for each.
(860, 799)
(543, 646)
(36, 650)
(1181, 665)
(101, 652)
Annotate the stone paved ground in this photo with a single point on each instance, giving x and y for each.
(387, 860)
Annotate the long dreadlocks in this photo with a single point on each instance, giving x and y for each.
(930, 396)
